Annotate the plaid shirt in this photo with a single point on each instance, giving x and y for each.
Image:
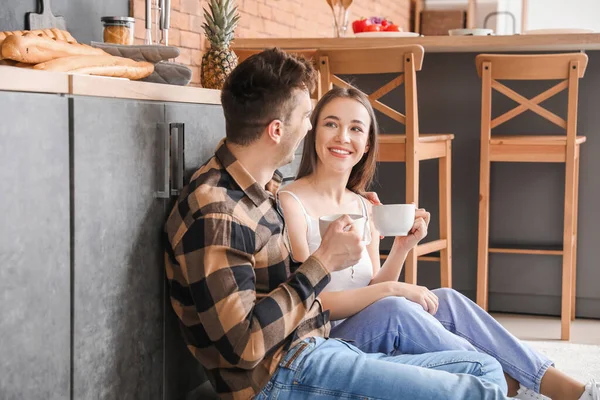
(241, 299)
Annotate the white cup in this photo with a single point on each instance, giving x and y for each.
(357, 220)
(394, 219)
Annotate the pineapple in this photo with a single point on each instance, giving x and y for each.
(219, 60)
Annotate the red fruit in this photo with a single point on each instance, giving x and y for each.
(373, 28)
(393, 28)
(360, 24)
(385, 23)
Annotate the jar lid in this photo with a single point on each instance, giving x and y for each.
(117, 19)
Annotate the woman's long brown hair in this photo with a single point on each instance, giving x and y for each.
(362, 173)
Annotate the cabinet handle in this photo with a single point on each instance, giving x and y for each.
(163, 192)
(177, 157)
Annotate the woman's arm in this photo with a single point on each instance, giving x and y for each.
(346, 303)
(296, 224)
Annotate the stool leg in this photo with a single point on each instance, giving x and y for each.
(412, 196)
(484, 227)
(445, 183)
(576, 218)
(567, 267)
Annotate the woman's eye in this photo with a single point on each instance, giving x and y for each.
(357, 129)
(331, 124)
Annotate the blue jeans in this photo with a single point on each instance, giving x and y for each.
(395, 325)
(319, 368)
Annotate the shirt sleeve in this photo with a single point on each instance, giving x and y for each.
(216, 255)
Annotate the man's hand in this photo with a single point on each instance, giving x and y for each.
(341, 245)
(417, 294)
(417, 233)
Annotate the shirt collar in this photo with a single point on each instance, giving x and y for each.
(242, 177)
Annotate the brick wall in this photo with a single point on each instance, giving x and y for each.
(261, 19)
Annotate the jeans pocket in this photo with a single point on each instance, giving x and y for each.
(293, 358)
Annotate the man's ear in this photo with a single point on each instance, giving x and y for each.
(275, 130)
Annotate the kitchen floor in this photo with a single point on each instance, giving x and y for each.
(530, 327)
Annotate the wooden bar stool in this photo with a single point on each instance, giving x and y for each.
(569, 68)
(411, 147)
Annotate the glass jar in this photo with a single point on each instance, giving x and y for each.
(118, 30)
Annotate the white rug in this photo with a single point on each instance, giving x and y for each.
(581, 361)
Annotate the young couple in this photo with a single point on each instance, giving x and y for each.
(255, 294)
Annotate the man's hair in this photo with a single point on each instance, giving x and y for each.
(260, 89)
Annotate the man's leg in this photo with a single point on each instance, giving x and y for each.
(331, 369)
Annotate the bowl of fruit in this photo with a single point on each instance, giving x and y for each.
(378, 27)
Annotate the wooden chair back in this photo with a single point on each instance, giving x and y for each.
(402, 60)
(567, 67)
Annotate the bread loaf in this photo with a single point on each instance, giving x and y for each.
(52, 33)
(34, 49)
(99, 65)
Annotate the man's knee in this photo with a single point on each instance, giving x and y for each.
(490, 369)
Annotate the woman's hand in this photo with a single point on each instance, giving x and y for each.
(417, 233)
(417, 294)
(373, 198)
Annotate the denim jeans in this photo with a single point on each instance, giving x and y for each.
(395, 325)
(319, 368)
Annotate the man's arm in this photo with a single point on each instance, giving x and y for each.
(216, 254)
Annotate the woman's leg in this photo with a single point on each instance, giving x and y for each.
(394, 325)
(464, 318)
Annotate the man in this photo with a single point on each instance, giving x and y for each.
(248, 312)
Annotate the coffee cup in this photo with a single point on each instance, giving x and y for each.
(394, 219)
(357, 220)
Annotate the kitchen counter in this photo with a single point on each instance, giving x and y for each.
(26, 80)
(440, 44)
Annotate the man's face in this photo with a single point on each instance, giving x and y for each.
(296, 127)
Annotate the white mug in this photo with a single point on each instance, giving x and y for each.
(394, 219)
(357, 220)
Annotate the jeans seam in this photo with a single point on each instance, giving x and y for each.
(402, 335)
(485, 350)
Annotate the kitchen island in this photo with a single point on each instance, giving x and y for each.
(526, 199)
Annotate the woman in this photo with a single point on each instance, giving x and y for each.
(367, 304)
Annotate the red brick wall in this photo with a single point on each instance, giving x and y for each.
(263, 18)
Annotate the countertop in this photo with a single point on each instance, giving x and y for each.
(440, 44)
(26, 80)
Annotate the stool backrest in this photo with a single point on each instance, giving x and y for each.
(568, 67)
(403, 60)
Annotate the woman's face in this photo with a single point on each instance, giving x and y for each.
(342, 134)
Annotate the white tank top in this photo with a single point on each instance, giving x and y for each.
(355, 277)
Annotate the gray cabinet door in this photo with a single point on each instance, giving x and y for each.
(34, 246)
(204, 127)
(118, 259)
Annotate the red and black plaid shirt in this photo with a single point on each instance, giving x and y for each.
(241, 299)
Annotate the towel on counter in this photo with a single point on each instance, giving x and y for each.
(165, 71)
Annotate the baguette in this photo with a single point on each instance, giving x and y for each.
(53, 33)
(99, 65)
(33, 49)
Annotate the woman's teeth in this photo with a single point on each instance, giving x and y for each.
(344, 152)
